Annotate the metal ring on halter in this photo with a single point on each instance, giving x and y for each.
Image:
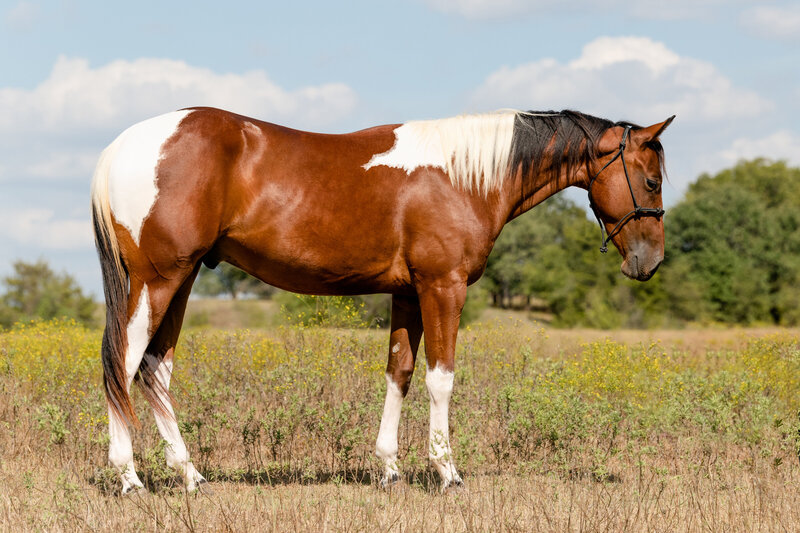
(638, 211)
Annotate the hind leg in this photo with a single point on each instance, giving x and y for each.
(159, 359)
(120, 448)
(148, 304)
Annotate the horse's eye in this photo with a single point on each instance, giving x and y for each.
(651, 184)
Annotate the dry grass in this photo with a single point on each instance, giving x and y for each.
(554, 431)
(683, 502)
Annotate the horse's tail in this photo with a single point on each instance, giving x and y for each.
(115, 287)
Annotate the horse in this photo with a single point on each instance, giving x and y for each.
(410, 209)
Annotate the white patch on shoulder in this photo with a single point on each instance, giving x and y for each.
(132, 188)
(416, 145)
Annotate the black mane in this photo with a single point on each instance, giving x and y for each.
(545, 143)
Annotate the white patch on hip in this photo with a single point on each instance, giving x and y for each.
(417, 144)
(132, 185)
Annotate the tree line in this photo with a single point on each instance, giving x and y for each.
(732, 257)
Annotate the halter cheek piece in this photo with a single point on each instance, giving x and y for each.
(638, 211)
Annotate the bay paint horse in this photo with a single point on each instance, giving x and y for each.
(412, 210)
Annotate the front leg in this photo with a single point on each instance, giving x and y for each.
(441, 303)
(403, 345)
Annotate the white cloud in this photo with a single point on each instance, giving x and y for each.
(55, 131)
(773, 22)
(647, 9)
(23, 16)
(781, 145)
(622, 77)
(114, 95)
(40, 227)
(607, 51)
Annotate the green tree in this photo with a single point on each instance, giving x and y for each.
(35, 291)
(733, 246)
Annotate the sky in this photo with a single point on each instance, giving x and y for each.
(74, 74)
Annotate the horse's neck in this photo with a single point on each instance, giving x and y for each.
(523, 196)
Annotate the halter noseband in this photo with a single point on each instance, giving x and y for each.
(638, 211)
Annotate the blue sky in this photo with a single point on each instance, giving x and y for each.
(76, 73)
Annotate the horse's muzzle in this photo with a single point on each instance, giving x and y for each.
(641, 266)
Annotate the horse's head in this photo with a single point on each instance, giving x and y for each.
(625, 194)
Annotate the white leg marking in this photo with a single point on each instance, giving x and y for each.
(440, 387)
(176, 453)
(132, 184)
(120, 448)
(120, 453)
(386, 445)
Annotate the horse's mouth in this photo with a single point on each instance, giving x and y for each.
(635, 268)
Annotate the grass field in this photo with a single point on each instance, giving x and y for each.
(554, 430)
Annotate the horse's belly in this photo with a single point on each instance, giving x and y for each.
(319, 268)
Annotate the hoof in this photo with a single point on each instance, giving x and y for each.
(133, 491)
(389, 482)
(203, 487)
(454, 487)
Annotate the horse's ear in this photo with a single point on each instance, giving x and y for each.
(650, 133)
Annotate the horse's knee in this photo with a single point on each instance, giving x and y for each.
(401, 367)
(401, 376)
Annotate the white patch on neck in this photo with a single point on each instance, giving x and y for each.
(132, 187)
(473, 149)
(416, 145)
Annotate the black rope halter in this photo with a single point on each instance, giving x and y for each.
(638, 211)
